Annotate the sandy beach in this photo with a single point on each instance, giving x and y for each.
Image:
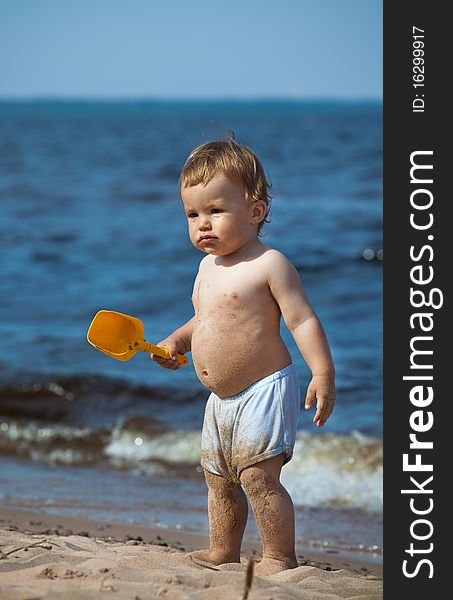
(47, 556)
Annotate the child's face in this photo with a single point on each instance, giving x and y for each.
(220, 219)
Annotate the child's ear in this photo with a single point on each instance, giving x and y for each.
(258, 211)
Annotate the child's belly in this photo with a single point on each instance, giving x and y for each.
(229, 355)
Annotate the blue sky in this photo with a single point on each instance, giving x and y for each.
(191, 48)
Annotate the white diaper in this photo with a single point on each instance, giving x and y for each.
(260, 422)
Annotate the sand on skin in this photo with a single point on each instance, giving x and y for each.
(79, 567)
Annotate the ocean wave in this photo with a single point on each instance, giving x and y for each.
(93, 401)
(327, 469)
(336, 470)
(153, 455)
(52, 444)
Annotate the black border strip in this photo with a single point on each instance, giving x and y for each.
(405, 132)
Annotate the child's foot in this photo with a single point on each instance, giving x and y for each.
(270, 566)
(210, 557)
(204, 556)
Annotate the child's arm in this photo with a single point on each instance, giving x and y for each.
(180, 341)
(302, 322)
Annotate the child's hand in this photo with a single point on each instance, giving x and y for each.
(321, 389)
(174, 346)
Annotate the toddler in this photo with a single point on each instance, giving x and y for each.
(241, 290)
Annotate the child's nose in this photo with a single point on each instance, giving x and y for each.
(204, 223)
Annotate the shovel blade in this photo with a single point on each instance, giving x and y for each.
(115, 334)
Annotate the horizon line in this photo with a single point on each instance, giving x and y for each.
(146, 98)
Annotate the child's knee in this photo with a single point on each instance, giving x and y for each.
(217, 482)
(262, 477)
(256, 482)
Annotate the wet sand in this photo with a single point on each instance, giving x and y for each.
(78, 558)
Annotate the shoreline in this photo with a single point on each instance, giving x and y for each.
(34, 522)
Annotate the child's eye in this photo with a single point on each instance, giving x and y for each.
(192, 215)
(215, 211)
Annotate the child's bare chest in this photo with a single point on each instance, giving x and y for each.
(233, 291)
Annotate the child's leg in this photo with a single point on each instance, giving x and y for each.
(274, 514)
(227, 512)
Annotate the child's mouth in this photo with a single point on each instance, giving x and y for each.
(207, 240)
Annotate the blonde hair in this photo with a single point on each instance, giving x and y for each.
(235, 161)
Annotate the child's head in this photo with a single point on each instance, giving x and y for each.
(234, 160)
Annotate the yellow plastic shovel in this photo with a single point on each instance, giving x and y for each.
(121, 336)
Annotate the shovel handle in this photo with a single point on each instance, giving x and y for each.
(164, 353)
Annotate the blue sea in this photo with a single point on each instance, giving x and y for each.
(91, 219)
